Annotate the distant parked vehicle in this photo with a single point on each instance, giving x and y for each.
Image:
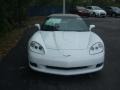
(96, 11)
(112, 11)
(81, 11)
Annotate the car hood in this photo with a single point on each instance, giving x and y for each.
(83, 10)
(117, 11)
(64, 40)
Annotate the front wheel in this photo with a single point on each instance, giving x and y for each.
(94, 14)
(87, 16)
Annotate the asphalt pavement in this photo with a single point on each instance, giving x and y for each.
(16, 75)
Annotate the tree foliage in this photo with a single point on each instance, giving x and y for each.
(13, 12)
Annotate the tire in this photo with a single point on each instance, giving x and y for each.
(87, 16)
(103, 16)
(114, 15)
(94, 15)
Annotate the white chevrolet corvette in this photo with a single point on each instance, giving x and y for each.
(65, 45)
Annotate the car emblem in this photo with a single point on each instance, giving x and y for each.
(67, 55)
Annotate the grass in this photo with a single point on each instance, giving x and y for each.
(9, 40)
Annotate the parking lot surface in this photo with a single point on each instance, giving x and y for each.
(16, 75)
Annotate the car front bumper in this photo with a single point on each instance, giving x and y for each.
(61, 65)
(101, 14)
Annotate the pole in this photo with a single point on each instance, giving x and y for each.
(64, 2)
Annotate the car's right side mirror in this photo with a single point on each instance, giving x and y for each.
(38, 26)
(91, 27)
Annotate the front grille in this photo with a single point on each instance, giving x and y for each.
(102, 14)
(98, 65)
(62, 68)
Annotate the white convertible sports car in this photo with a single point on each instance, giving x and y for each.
(65, 45)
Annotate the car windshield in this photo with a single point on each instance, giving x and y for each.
(96, 8)
(64, 24)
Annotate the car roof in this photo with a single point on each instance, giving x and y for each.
(64, 15)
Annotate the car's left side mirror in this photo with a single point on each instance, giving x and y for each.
(91, 27)
(38, 26)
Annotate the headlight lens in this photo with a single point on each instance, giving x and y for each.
(96, 48)
(37, 48)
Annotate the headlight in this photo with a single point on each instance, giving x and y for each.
(37, 48)
(96, 48)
